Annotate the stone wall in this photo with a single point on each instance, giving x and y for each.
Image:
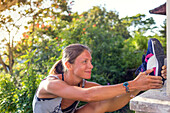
(151, 101)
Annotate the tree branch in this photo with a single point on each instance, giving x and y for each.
(7, 4)
(3, 64)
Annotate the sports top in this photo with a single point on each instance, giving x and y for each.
(53, 105)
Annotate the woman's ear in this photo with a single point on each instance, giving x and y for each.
(68, 65)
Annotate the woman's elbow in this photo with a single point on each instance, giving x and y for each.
(89, 96)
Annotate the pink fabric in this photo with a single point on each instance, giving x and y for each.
(148, 56)
(154, 69)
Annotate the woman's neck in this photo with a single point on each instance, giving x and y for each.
(71, 79)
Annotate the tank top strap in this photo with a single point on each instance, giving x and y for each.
(53, 76)
(62, 76)
(83, 83)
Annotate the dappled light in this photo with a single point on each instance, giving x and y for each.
(34, 35)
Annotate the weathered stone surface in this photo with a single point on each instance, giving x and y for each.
(151, 101)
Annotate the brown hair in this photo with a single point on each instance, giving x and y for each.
(70, 53)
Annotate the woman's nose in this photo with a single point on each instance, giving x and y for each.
(90, 65)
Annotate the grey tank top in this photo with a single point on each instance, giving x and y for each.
(52, 105)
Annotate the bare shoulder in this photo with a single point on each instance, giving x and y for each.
(91, 84)
(48, 85)
(53, 80)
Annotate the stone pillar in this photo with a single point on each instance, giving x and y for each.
(151, 101)
(168, 45)
(156, 100)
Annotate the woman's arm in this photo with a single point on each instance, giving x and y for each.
(94, 93)
(98, 93)
(120, 101)
(117, 102)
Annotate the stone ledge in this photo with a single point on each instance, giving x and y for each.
(151, 101)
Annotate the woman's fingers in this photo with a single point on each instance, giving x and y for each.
(148, 71)
(155, 79)
(144, 81)
(155, 86)
(164, 72)
(164, 67)
(153, 82)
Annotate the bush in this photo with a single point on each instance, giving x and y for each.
(8, 95)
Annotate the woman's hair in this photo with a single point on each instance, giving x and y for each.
(70, 53)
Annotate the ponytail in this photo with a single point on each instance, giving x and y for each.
(57, 68)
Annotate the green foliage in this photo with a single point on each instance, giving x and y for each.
(139, 23)
(103, 32)
(34, 55)
(19, 99)
(7, 93)
(163, 30)
(107, 49)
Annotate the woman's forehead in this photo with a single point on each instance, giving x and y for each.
(85, 54)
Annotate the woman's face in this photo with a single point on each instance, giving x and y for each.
(82, 66)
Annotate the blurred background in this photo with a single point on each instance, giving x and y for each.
(34, 32)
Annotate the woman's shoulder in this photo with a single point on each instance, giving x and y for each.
(51, 80)
(54, 77)
(50, 84)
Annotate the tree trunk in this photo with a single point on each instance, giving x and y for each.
(6, 4)
(3, 64)
(10, 60)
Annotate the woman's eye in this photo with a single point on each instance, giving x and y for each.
(91, 61)
(84, 61)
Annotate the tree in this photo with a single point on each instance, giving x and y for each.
(9, 25)
(139, 23)
(6, 4)
(163, 31)
(37, 12)
(104, 33)
(31, 55)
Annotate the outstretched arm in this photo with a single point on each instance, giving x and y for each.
(119, 101)
(53, 88)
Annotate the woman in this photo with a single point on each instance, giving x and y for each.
(65, 86)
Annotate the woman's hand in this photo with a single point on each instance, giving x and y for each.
(164, 72)
(144, 81)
